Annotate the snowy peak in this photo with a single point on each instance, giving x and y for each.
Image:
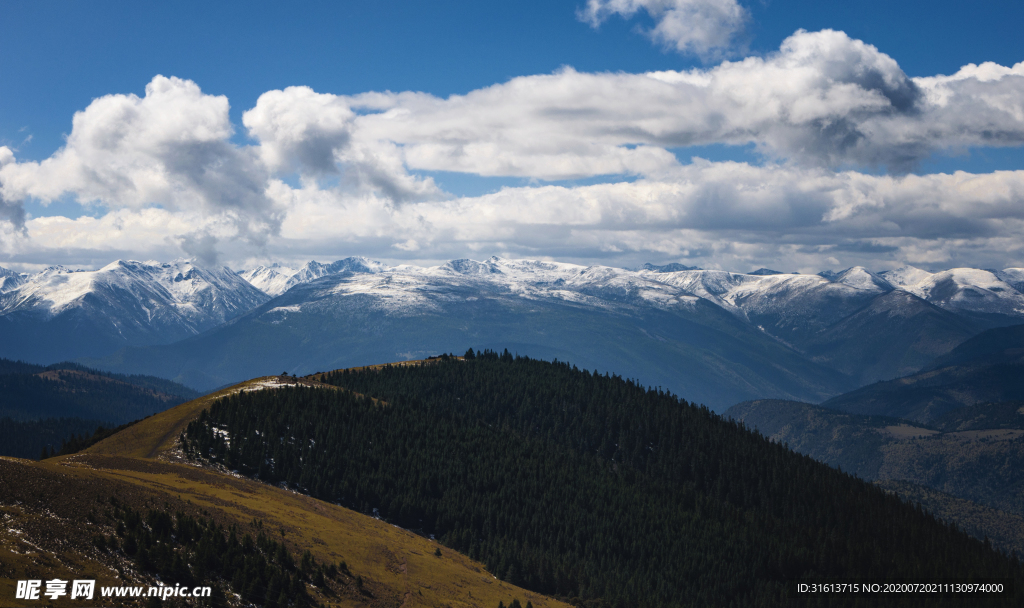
(471, 267)
(673, 267)
(201, 292)
(10, 280)
(859, 277)
(357, 264)
(271, 280)
(905, 276)
(312, 271)
(970, 290)
(178, 294)
(275, 279)
(1013, 277)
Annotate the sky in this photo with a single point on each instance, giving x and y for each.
(795, 135)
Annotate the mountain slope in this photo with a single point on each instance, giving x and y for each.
(9, 280)
(850, 442)
(276, 279)
(91, 515)
(968, 466)
(575, 483)
(980, 294)
(31, 392)
(986, 368)
(61, 314)
(896, 334)
(993, 346)
(601, 318)
(1004, 529)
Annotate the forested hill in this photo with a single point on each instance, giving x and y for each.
(585, 486)
(34, 392)
(46, 407)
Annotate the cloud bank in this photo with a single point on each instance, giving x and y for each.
(325, 175)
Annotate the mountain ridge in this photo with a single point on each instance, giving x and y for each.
(816, 321)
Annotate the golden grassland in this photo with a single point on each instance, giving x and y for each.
(52, 509)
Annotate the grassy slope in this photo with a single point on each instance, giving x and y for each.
(140, 468)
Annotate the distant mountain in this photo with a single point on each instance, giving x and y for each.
(848, 441)
(994, 346)
(272, 280)
(275, 280)
(1012, 276)
(673, 267)
(999, 415)
(895, 334)
(47, 406)
(764, 272)
(981, 294)
(68, 390)
(807, 337)
(784, 331)
(974, 453)
(10, 280)
(605, 318)
(62, 314)
(28, 438)
(987, 368)
(1005, 530)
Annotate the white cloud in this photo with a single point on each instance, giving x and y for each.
(300, 130)
(819, 109)
(702, 27)
(730, 214)
(169, 149)
(12, 213)
(822, 99)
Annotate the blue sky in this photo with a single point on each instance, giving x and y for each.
(56, 58)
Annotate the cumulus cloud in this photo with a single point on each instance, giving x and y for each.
(315, 134)
(822, 99)
(12, 213)
(710, 214)
(169, 149)
(12, 219)
(725, 214)
(820, 109)
(300, 130)
(702, 27)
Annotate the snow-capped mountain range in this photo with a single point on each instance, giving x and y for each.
(276, 279)
(861, 325)
(61, 313)
(179, 292)
(964, 290)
